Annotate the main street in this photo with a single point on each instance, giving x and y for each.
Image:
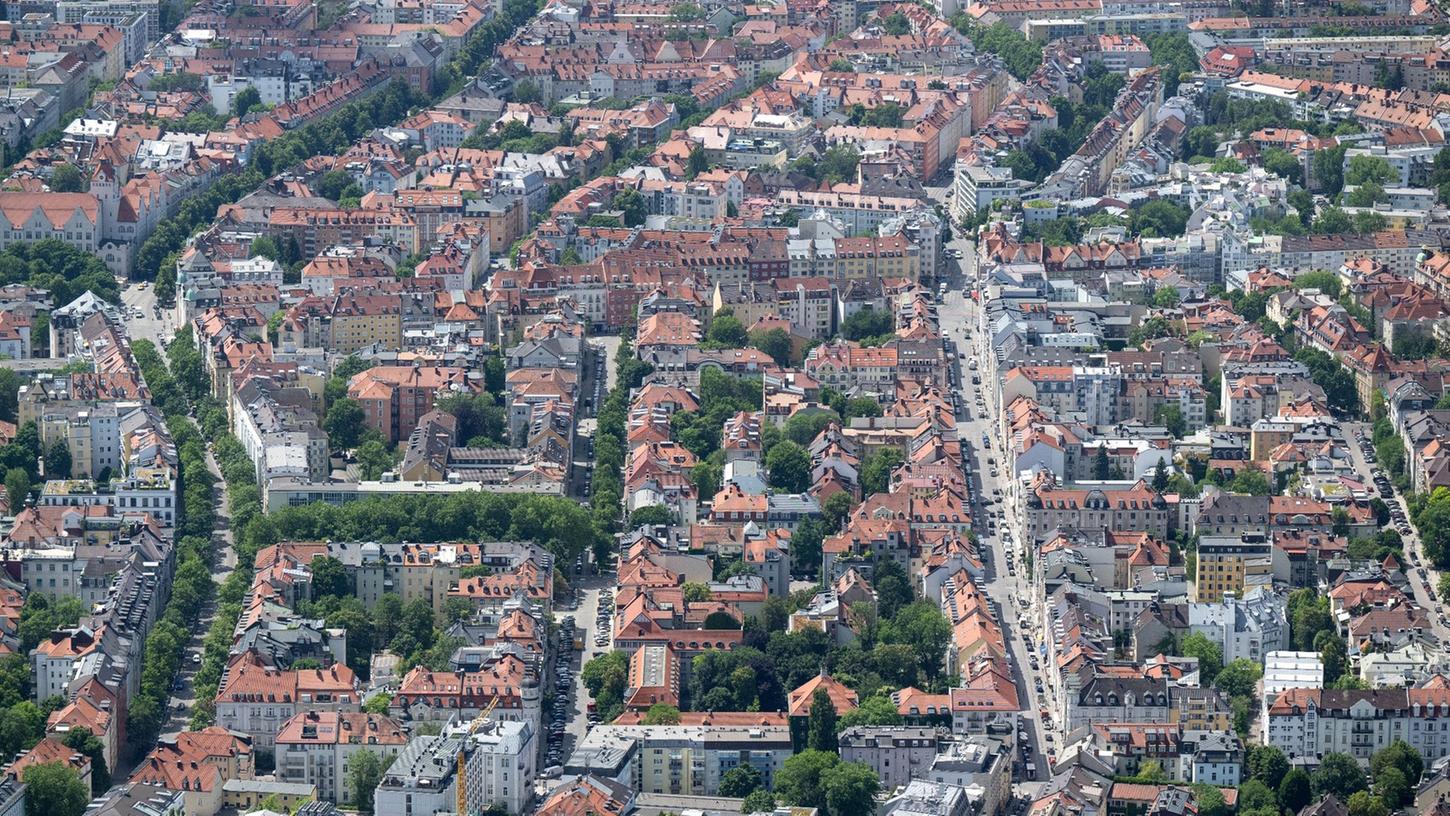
(1008, 583)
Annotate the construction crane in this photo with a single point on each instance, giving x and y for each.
(460, 777)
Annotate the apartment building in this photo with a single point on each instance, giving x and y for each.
(258, 699)
(1307, 723)
(393, 398)
(316, 747)
(1231, 565)
(1119, 506)
(681, 760)
(496, 761)
(895, 752)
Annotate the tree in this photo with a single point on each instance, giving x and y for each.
(1267, 763)
(1332, 221)
(651, 515)
(805, 547)
(695, 592)
(1401, 756)
(1159, 219)
(921, 626)
(1295, 791)
(1160, 476)
(344, 423)
(836, 509)
(57, 460)
(841, 65)
(662, 714)
(526, 91)
(1393, 787)
(874, 710)
(1332, 655)
(866, 323)
(1328, 169)
(697, 163)
(804, 427)
(1254, 794)
(1209, 654)
(363, 774)
(876, 470)
(821, 725)
(17, 488)
(246, 100)
(1322, 280)
(605, 677)
(329, 578)
(1166, 298)
(758, 801)
(740, 782)
(1366, 169)
(774, 342)
(1338, 774)
(1239, 678)
(850, 789)
(1171, 417)
(67, 179)
(333, 184)
(726, 331)
(1210, 801)
(1102, 468)
(82, 740)
(632, 206)
(893, 588)
(54, 789)
(1364, 803)
(1282, 163)
(799, 781)
(789, 467)
(1250, 481)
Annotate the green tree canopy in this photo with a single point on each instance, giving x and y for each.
(1338, 774)
(54, 789)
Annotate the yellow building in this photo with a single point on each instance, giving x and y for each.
(1231, 564)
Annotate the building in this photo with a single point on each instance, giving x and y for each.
(682, 759)
(1230, 565)
(895, 753)
(258, 699)
(1307, 723)
(1210, 758)
(315, 747)
(496, 759)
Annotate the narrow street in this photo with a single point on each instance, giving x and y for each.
(183, 690)
(576, 706)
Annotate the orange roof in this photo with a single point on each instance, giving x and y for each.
(842, 698)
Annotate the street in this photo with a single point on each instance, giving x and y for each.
(138, 301)
(1009, 584)
(1421, 573)
(575, 707)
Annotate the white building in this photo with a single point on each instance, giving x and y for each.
(1210, 758)
(316, 748)
(497, 762)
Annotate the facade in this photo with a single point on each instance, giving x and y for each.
(1231, 565)
(895, 753)
(316, 747)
